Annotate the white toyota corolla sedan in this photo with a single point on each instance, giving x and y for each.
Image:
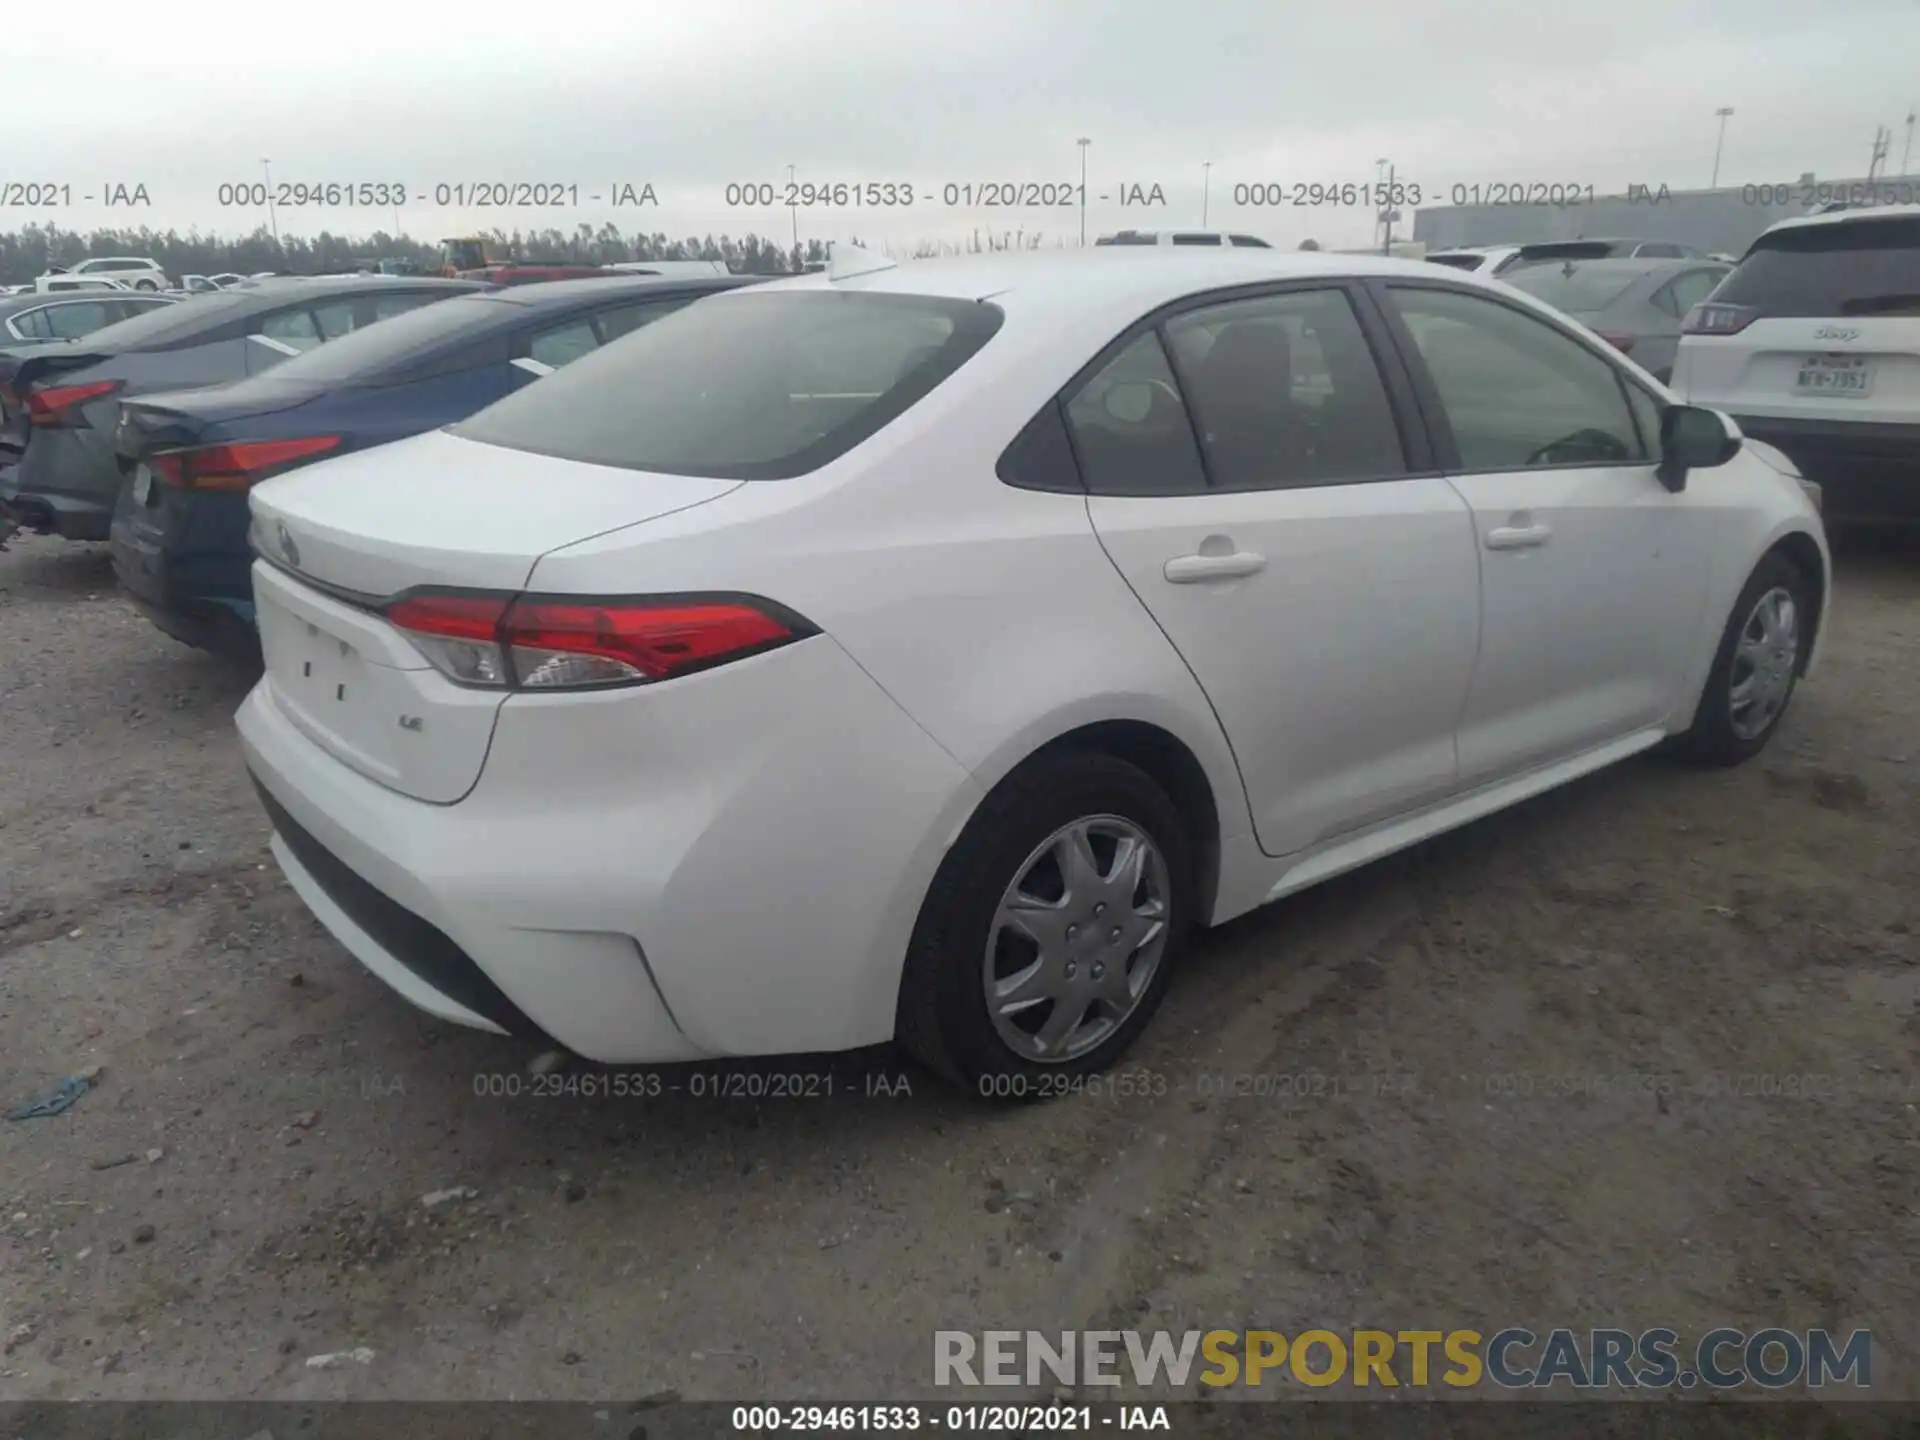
(921, 651)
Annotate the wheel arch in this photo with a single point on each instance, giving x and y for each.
(1803, 552)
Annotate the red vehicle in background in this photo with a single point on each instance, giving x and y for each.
(470, 258)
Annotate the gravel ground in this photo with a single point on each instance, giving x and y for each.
(1456, 1130)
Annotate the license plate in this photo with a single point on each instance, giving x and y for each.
(142, 484)
(1834, 375)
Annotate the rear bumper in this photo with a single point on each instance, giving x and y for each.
(728, 864)
(65, 484)
(196, 603)
(1867, 473)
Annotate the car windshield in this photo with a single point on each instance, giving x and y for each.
(1852, 267)
(366, 355)
(1574, 287)
(764, 386)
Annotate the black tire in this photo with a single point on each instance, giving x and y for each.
(943, 1015)
(1712, 740)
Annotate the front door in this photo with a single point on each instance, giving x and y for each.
(1593, 574)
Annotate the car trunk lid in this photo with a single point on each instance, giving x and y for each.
(342, 538)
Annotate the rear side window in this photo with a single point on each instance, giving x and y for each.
(1251, 241)
(1575, 287)
(390, 351)
(762, 387)
(1286, 392)
(1131, 429)
(34, 324)
(70, 322)
(1196, 239)
(173, 324)
(1855, 267)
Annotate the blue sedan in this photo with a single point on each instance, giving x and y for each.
(188, 458)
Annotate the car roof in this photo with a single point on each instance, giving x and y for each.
(1132, 279)
(1847, 217)
(38, 300)
(557, 294)
(1633, 265)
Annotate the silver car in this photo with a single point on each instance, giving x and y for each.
(1634, 305)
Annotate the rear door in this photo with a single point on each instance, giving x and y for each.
(1818, 322)
(1282, 521)
(1593, 575)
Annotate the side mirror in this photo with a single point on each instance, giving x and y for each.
(1693, 438)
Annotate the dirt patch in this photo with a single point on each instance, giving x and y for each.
(1640, 1052)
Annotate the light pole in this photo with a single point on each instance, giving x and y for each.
(273, 219)
(793, 210)
(1723, 112)
(1379, 179)
(1906, 150)
(1083, 142)
(1206, 189)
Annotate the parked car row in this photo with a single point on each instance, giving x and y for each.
(918, 651)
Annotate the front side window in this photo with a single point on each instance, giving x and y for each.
(1196, 239)
(1285, 392)
(1517, 393)
(1130, 427)
(745, 387)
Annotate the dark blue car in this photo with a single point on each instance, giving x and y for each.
(188, 458)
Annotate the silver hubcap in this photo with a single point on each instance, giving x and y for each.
(1765, 659)
(1077, 938)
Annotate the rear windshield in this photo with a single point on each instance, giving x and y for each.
(170, 322)
(381, 350)
(1458, 262)
(1560, 253)
(1853, 267)
(762, 386)
(1573, 287)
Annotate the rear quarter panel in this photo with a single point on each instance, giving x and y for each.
(992, 615)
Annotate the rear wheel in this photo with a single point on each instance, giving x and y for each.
(1761, 655)
(1049, 935)
(146, 285)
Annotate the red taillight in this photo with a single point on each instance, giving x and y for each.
(1712, 318)
(566, 643)
(1622, 343)
(237, 467)
(59, 406)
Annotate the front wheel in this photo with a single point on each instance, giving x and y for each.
(1761, 655)
(146, 285)
(1048, 936)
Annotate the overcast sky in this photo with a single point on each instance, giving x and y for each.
(689, 95)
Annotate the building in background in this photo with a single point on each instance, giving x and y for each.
(1724, 221)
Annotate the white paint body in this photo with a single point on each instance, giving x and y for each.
(732, 863)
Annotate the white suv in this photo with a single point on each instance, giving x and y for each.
(1813, 345)
(136, 272)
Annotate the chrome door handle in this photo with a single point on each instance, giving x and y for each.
(1517, 537)
(1189, 569)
